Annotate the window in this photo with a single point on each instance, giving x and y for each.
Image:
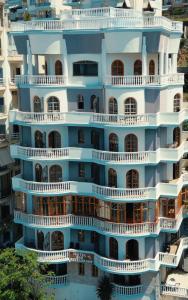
(81, 139)
(94, 103)
(151, 67)
(81, 170)
(117, 68)
(177, 99)
(130, 106)
(131, 143)
(81, 269)
(113, 142)
(113, 106)
(37, 104)
(81, 236)
(55, 173)
(85, 68)
(80, 102)
(53, 104)
(138, 67)
(94, 271)
(132, 179)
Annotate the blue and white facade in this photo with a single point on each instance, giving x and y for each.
(103, 181)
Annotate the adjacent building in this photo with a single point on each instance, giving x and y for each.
(103, 183)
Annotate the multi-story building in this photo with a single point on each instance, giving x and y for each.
(10, 65)
(103, 183)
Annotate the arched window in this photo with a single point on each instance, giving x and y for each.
(177, 102)
(58, 68)
(54, 139)
(53, 104)
(138, 67)
(132, 251)
(55, 173)
(130, 106)
(40, 240)
(81, 137)
(117, 68)
(37, 104)
(94, 103)
(113, 248)
(131, 143)
(38, 173)
(80, 101)
(113, 106)
(112, 178)
(176, 136)
(152, 67)
(38, 139)
(132, 179)
(57, 241)
(113, 142)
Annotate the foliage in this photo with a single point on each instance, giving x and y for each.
(27, 16)
(105, 288)
(21, 276)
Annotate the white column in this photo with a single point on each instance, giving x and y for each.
(144, 57)
(166, 63)
(174, 63)
(103, 64)
(29, 57)
(25, 66)
(161, 63)
(64, 59)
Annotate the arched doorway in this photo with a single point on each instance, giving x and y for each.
(113, 142)
(37, 107)
(176, 136)
(57, 241)
(54, 139)
(55, 173)
(132, 250)
(94, 103)
(53, 104)
(131, 143)
(40, 240)
(38, 139)
(152, 67)
(113, 248)
(112, 178)
(95, 139)
(117, 68)
(138, 67)
(38, 173)
(130, 106)
(112, 106)
(132, 179)
(58, 68)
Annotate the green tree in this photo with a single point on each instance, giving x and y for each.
(105, 288)
(27, 17)
(21, 276)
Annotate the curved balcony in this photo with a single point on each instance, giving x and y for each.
(98, 23)
(101, 226)
(98, 156)
(107, 264)
(169, 189)
(147, 80)
(97, 119)
(42, 80)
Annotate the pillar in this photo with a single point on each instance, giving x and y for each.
(64, 59)
(166, 63)
(29, 57)
(104, 71)
(161, 63)
(174, 63)
(144, 57)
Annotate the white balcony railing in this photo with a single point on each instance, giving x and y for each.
(145, 80)
(164, 224)
(174, 291)
(87, 188)
(97, 23)
(98, 119)
(107, 264)
(103, 157)
(57, 280)
(128, 290)
(40, 80)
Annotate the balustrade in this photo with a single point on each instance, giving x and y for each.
(174, 291)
